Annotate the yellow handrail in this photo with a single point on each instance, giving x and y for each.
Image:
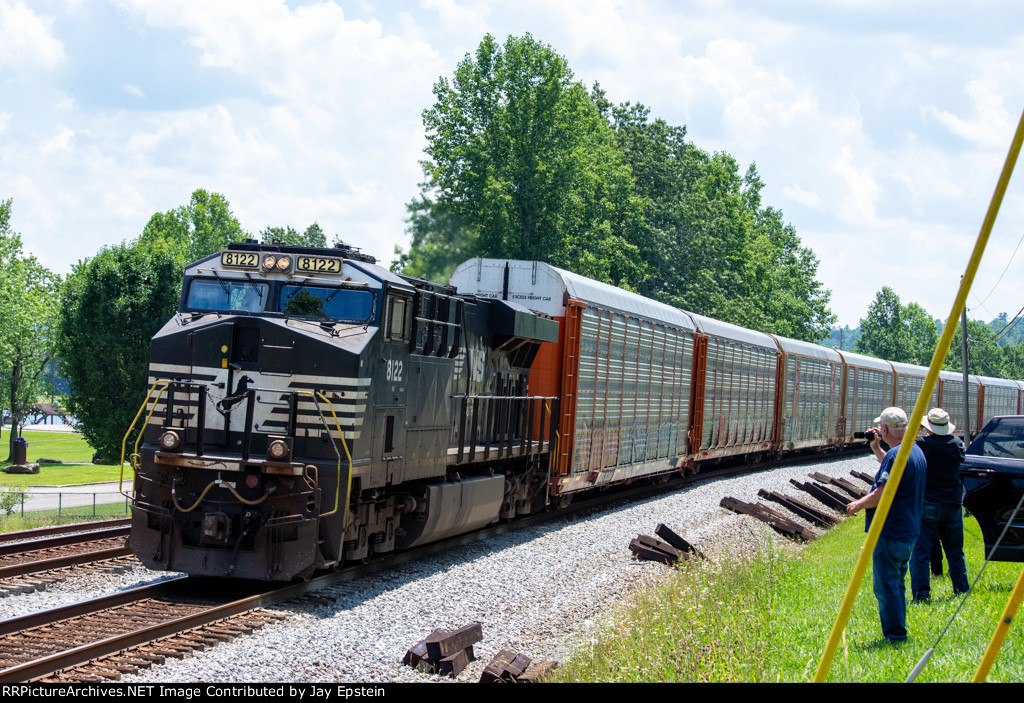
(163, 386)
(348, 455)
(923, 399)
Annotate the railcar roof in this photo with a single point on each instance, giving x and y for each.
(868, 361)
(727, 330)
(909, 369)
(957, 376)
(608, 296)
(485, 277)
(796, 346)
(990, 381)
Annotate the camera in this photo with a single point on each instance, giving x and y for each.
(869, 435)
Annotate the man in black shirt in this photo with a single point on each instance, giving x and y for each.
(942, 518)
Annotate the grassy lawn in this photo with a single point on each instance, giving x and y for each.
(768, 618)
(67, 447)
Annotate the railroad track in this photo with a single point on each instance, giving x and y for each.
(101, 639)
(53, 530)
(44, 556)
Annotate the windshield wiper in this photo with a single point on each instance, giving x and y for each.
(222, 282)
(295, 292)
(255, 288)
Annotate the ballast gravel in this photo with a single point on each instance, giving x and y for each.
(537, 590)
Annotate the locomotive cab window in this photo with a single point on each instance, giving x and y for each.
(222, 295)
(322, 303)
(398, 319)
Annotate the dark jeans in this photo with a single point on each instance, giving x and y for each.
(889, 563)
(945, 524)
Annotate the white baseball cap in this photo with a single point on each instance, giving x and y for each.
(893, 417)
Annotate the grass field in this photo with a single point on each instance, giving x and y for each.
(768, 618)
(67, 447)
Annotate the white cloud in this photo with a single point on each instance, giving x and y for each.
(991, 121)
(807, 198)
(61, 141)
(25, 39)
(462, 17)
(872, 128)
(862, 190)
(133, 90)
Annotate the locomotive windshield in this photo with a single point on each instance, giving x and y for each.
(321, 303)
(224, 296)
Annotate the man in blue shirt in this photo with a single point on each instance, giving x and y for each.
(896, 542)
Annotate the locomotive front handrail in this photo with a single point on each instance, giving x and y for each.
(134, 457)
(162, 385)
(341, 435)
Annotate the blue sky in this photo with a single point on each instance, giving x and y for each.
(878, 127)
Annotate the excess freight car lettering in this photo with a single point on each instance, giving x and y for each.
(289, 434)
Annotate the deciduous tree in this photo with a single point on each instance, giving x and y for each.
(192, 231)
(312, 236)
(111, 306)
(710, 244)
(28, 304)
(522, 162)
(984, 355)
(884, 332)
(113, 303)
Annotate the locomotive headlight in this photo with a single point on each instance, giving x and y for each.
(284, 262)
(269, 261)
(170, 440)
(278, 450)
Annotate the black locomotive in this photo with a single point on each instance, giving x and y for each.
(310, 407)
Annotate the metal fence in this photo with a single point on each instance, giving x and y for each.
(64, 505)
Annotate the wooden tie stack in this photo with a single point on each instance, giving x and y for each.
(445, 653)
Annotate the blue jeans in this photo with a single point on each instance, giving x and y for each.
(889, 563)
(945, 524)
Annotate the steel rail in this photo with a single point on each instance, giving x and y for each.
(63, 540)
(26, 535)
(42, 565)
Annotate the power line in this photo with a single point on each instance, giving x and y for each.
(995, 340)
(1004, 271)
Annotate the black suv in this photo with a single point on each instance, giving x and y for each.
(993, 475)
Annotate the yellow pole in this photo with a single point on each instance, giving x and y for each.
(1002, 629)
(920, 407)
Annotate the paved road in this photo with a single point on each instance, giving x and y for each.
(61, 497)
